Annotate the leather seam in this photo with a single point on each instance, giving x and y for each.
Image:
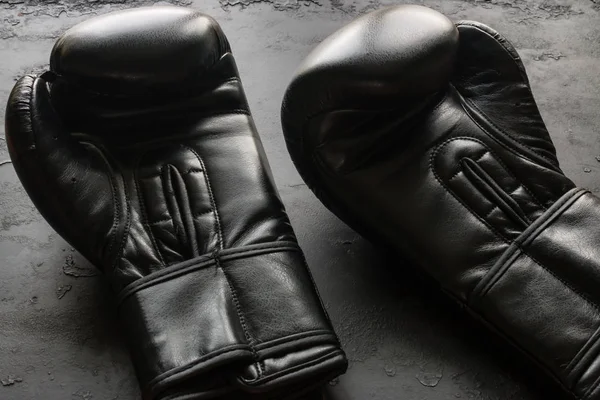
(211, 211)
(289, 371)
(553, 274)
(30, 112)
(459, 170)
(240, 313)
(110, 177)
(194, 170)
(193, 239)
(485, 117)
(238, 307)
(499, 160)
(583, 351)
(145, 220)
(524, 239)
(117, 205)
(469, 209)
(316, 290)
(212, 199)
(584, 297)
(154, 382)
(201, 263)
(209, 356)
(496, 233)
(593, 387)
(448, 190)
(160, 220)
(127, 225)
(512, 52)
(489, 283)
(95, 93)
(295, 337)
(494, 208)
(519, 183)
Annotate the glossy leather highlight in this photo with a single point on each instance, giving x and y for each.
(424, 135)
(138, 147)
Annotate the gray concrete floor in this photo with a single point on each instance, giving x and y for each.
(59, 339)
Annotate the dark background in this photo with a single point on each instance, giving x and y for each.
(59, 339)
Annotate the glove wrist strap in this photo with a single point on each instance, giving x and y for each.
(554, 265)
(254, 308)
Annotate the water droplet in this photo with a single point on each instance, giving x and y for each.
(390, 371)
(598, 158)
(587, 170)
(334, 382)
(429, 379)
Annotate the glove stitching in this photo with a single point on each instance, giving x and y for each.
(216, 353)
(483, 116)
(211, 197)
(194, 170)
(240, 313)
(210, 211)
(189, 200)
(584, 297)
(519, 183)
(579, 293)
(506, 45)
(127, 226)
(489, 214)
(112, 232)
(117, 204)
(178, 370)
(583, 351)
(492, 229)
(459, 170)
(439, 148)
(593, 388)
(193, 265)
(73, 82)
(316, 291)
(294, 337)
(447, 190)
(145, 219)
(156, 222)
(525, 239)
(289, 371)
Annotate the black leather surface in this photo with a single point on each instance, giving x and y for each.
(424, 135)
(138, 147)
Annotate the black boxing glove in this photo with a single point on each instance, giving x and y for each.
(138, 147)
(424, 135)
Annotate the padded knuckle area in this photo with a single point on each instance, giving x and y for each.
(138, 47)
(397, 45)
(393, 61)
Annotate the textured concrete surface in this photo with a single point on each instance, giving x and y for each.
(58, 336)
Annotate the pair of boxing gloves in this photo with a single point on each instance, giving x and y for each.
(138, 147)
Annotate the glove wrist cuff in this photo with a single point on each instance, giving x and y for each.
(552, 266)
(252, 310)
